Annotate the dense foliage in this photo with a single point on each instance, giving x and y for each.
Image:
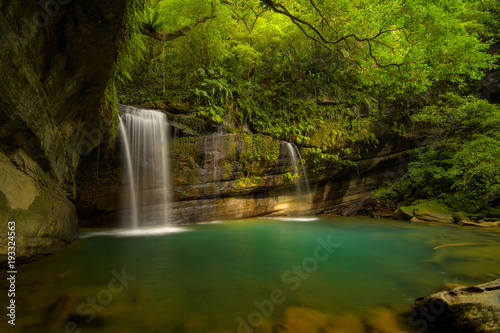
(462, 168)
(317, 73)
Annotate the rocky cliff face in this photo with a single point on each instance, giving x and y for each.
(56, 57)
(221, 176)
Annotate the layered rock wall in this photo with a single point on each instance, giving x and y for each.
(224, 176)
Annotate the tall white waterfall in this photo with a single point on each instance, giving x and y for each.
(144, 135)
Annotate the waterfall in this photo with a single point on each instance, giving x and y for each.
(213, 154)
(296, 160)
(134, 218)
(144, 135)
(216, 156)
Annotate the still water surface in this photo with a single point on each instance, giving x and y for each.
(294, 274)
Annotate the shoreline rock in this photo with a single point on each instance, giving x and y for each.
(432, 211)
(464, 309)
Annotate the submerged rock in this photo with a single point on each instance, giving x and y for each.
(463, 309)
(59, 312)
(306, 320)
(383, 320)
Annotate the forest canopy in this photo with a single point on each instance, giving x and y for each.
(316, 73)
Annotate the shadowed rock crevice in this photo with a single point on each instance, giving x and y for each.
(56, 59)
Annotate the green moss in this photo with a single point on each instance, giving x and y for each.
(249, 181)
(290, 177)
(189, 125)
(460, 216)
(186, 159)
(245, 156)
(404, 213)
(432, 207)
(258, 152)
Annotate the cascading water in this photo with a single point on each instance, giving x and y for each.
(212, 152)
(144, 135)
(216, 145)
(296, 159)
(134, 218)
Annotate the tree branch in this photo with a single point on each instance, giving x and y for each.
(324, 19)
(322, 40)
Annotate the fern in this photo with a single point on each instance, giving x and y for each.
(131, 50)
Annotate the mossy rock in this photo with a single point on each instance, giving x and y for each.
(404, 213)
(429, 211)
(433, 212)
(189, 125)
(460, 217)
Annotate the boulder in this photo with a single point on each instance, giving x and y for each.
(383, 320)
(403, 213)
(429, 211)
(459, 217)
(461, 310)
(416, 219)
(433, 212)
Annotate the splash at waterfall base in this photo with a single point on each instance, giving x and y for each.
(236, 175)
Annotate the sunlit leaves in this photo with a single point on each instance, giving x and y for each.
(300, 76)
(405, 45)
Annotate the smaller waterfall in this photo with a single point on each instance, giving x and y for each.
(296, 160)
(144, 135)
(213, 153)
(216, 156)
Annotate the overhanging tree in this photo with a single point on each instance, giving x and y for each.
(406, 44)
(301, 70)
